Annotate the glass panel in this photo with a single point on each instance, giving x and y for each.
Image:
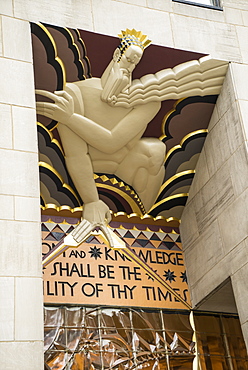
(60, 341)
(236, 346)
(116, 351)
(213, 363)
(120, 342)
(232, 328)
(146, 341)
(179, 333)
(49, 337)
(115, 318)
(107, 331)
(73, 338)
(179, 341)
(74, 316)
(56, 361)
(207, 324)
(122, 339)
(146, 338)
(240, 364)
(53, 316)
(210, 344)
(152, 319)
(91, 318)
(163, 365)
(181, 362)
(95, 360)
(79, 362)
(177, 321)
(85, 361)
(153, 364)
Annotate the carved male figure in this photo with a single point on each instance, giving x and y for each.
(98, 136)
(102, 121)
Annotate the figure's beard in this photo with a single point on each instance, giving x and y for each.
(117, 81)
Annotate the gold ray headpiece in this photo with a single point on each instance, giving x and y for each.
(133, 37)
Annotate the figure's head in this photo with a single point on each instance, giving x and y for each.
(128, 58)
(127, 55)
(132, 45)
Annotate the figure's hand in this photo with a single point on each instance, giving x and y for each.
(97, 213)
(112, 100)
(62, 108)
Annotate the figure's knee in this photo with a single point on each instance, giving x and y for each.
(145, 159)
(155, 151)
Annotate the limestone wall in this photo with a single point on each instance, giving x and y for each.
(223, 34)
(21, 331)
(214, 225)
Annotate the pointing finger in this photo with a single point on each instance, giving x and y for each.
(40, 104)
(45, 112)
(63, 94)
(47, 94)
(42, 110)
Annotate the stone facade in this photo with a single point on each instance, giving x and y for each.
(215, 215)
(215, 219)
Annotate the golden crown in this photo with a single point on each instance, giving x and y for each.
(133, 37)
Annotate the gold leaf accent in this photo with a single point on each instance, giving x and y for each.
(104, 178)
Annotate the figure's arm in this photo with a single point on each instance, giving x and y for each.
(78, 161)
(110, 141)
(107, 141)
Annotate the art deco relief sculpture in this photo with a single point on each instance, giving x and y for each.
(102, 121)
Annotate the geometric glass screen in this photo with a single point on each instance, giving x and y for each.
(90, 338)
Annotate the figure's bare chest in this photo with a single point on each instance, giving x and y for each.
(98, 111)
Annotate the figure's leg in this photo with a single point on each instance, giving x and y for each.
(143, 169)
(79, 165)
